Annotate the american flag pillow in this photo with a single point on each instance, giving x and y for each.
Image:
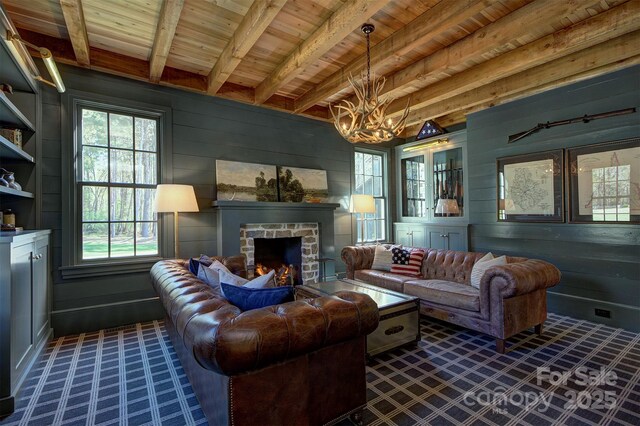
(407, 262)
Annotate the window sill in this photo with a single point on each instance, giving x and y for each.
(110, 268)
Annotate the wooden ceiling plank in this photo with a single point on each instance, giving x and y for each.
(77, 29)
(434, 22)
(255, 22)
(500, 36)
(605, 26)
(606, 57)
(350, 16)
(167, 23)
(138, 69)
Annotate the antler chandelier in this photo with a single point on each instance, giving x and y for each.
(367, 122)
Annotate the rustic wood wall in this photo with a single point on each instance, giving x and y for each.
(600, 264)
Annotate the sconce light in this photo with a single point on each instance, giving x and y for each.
(424, 145)
(47, 58)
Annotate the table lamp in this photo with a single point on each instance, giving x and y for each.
(447, 207)
(362, 203)
(175, 198)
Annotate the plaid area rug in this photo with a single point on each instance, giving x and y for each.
(577, 373)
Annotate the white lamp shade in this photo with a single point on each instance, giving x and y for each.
(175, 198)
(362, 203)
(446, 206)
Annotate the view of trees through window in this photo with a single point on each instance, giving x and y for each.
(369, 178)
(117, 176)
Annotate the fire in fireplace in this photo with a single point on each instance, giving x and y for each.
(284, 255)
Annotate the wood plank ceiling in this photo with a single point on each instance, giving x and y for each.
(447, 58)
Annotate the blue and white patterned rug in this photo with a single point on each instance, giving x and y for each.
(577, 373)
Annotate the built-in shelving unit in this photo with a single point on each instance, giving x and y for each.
(18, 110)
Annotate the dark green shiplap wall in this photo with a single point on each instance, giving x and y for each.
(600, 264)
(204, 129)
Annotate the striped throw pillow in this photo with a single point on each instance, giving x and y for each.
(407, 262)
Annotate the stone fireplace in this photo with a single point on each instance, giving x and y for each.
(307, 270)
(238, 223)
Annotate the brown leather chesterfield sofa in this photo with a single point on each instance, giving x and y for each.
(299, 363)
(511, 297)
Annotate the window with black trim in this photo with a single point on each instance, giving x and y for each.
(117, 169)
(370, 179)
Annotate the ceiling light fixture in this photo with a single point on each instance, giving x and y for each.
(367, 121)
(47, 58)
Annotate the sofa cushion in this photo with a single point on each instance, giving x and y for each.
(481, 266)
(448, 293)
(254, 298)
(382, 279)
(407, 262)
(382, 258)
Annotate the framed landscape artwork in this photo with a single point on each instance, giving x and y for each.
(302, 185)
(604, 182)
(246, 181)
(530, 187)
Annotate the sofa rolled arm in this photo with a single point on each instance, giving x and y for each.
(518, 278)
(357, 258)
(230, 342)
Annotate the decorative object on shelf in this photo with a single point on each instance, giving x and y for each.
(584, 119)
(362, 204)
(10, 179)
(172, 198)
(246, 181)
(302, 185)
(530, 187)
(367, 121)
(9, 218)
(447, 207)
(429, 128)
(47, 58)
(12, 135)
(3, 182)
(604, 182)
(6, 88)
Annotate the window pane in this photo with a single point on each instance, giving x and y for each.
(146, 168)
(122, 243)
(94, 164)
(377, 166)
(380, 210)
(121, 166)
(368, 185)
(94, 203)
(359, 166)
(121, 131)
(145, 134)
(95, 240)
(359, 184)
(94, 127)
(368, 164)
(377, 187)
(121, 204)
(146, 238)
(144, 204)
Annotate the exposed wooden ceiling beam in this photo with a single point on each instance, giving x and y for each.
(74, 19)
(254, 23)
(429, 25)
(602, 27)
(138, 69)
(604, 58)
(167, 23)
(350, 16)
(501, 36)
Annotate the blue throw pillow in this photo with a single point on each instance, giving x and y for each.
(194, 264)
(254, 298)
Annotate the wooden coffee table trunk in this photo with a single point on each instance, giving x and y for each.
(399, 314)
